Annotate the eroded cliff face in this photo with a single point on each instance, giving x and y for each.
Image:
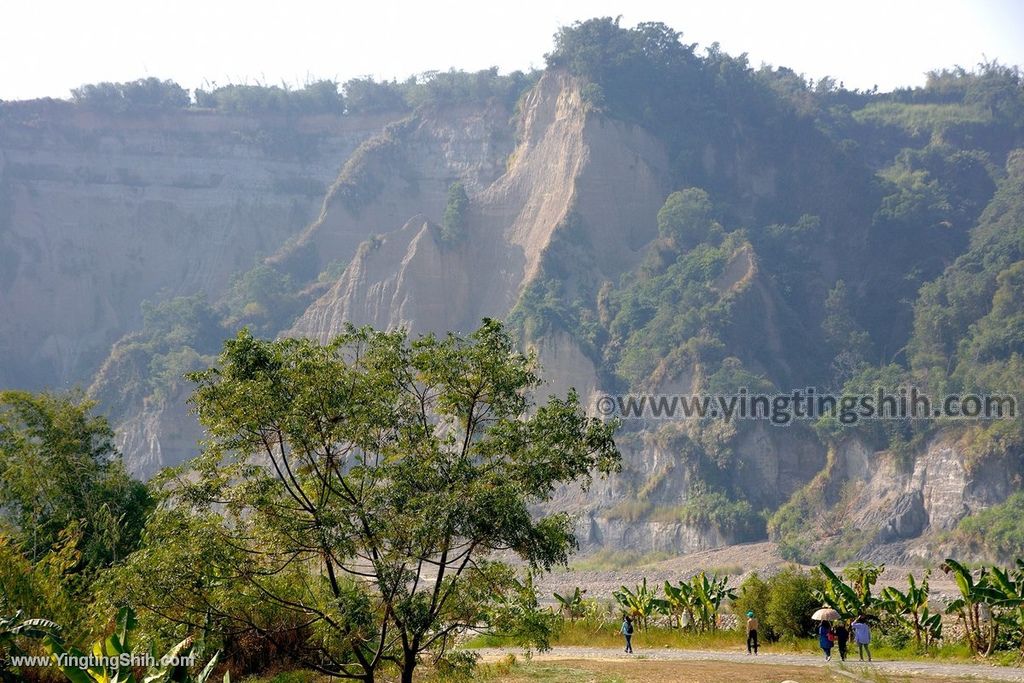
(100, 212)
(97, 215)
(565, 160)
(903, 511)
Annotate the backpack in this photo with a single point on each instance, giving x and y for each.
(629, 628)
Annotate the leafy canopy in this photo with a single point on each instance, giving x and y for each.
(365, 485)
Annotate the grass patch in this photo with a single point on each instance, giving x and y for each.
(630, 510)
(608, 559)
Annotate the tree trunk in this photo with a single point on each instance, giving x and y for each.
(408, 665)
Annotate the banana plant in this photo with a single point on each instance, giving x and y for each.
(678, 602)
(862, 576)
(12, 629)
(841, 596)
(931, 626)
(113, 654)
(708, 596)
(572, 606)
(699, 600)
(911, 608)
(1010, 599)
(640, 603)
(974, 606)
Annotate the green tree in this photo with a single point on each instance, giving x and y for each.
(59, 468)
(754, 595)
(686, 218)
(366, 484)
(850, 343)
(143, 95)
(792, 601)
(453, 228)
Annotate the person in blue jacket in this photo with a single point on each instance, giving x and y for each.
(627, 632)
(825, 639)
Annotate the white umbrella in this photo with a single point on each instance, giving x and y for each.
(825, 614)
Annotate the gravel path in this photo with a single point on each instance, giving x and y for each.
(850, 669)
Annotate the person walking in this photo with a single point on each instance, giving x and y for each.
(862, 636)
(627, 633)
(825, 639)
(751, 633)
(842, 638)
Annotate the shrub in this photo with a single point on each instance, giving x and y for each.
(791, 602)
(999, 530)
(453, 229)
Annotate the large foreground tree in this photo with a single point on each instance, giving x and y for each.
(367, 489)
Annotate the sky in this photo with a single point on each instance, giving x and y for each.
(48, 47)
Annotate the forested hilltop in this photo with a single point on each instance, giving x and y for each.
(647, 215)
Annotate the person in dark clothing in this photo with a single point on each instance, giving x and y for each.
(751, 633)
(842, 638)
(825, 637)
(627, 632)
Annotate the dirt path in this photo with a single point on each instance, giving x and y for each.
(852, 670)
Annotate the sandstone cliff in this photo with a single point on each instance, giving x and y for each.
(99, 213)
(565, 159)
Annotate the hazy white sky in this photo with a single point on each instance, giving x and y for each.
(50, 46)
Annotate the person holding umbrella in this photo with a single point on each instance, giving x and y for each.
(826, 637)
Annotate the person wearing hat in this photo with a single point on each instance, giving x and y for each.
(751, 633)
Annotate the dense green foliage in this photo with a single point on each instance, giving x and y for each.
(318, 97)
(336, 474)
(183, 334)
(59, 474)
(68, 512)
(143, 95)
(783, 603)
(356, 96)
(453, 227)
(996, 532)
